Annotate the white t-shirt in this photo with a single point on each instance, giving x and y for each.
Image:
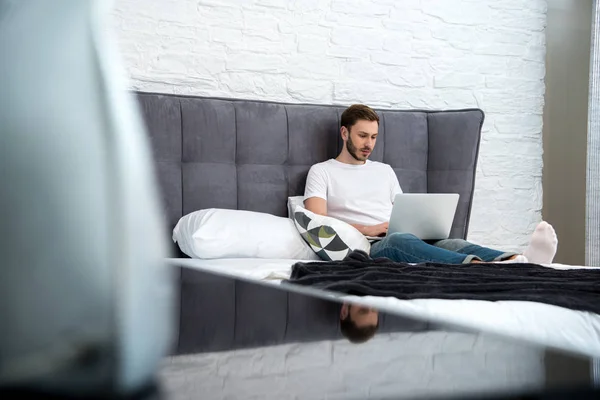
(357, 194)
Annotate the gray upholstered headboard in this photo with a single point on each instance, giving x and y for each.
(252, 155)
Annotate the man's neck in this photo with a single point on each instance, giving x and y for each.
(346, 158)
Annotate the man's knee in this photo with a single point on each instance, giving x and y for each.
(452, 244)
(401, 237)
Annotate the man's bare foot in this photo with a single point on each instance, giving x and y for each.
(543, 245)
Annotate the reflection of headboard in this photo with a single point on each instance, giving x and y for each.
(252, 155)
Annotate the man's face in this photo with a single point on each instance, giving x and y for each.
(360, 140)
(361, 316)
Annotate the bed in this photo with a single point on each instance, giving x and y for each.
(253, 155)
(548, 325)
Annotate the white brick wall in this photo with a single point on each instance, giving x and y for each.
(398, 365)
(431, 54)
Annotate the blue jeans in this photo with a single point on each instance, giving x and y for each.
(404, 247)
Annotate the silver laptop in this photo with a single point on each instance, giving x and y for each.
(428, 216)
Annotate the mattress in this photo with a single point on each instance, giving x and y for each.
(548, 325)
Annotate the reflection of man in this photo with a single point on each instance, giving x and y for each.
(358, 323)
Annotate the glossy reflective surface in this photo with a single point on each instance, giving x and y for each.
(243, 339)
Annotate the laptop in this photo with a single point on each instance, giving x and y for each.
(428, 216)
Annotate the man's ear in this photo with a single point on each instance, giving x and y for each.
(344, 132)
(344, 311)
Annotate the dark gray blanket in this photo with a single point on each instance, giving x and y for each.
(360, 275)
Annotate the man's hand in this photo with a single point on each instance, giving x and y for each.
(374, 230)
(377, 230)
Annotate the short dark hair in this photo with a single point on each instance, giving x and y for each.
(356, 334)
(357, 112)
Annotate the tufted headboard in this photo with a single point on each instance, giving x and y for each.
(252, 155)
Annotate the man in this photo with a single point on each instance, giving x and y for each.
(361, 192)
(358, 323)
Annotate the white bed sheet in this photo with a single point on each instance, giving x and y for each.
(577, 331)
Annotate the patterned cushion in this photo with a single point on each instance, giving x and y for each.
(330, 238)
(293, 202)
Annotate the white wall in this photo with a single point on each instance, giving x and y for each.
(397, 365)
(431, 54)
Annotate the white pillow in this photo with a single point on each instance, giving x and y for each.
(292, 203)
(218, 233)
(329, 237)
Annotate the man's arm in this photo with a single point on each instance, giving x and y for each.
(316, 205)
(315, 191)
(373, 230)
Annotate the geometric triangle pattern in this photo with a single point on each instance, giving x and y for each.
(323, 239)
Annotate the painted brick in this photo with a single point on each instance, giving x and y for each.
(306, 5)
(272, 4)
(390, 58)
(539, 6)
(526, 124)
(410, 79)
(398, 42)
(407, 364)
(388, 53)
(255, 62)
(226, 35)
(346, 52)
(356, 37)
(306, 90)
(456, 79)
(456, 35)
(403, 19)
(533, 21)
(309, 356)
(312, 44)
(470, 14)
(312, 67)
(521, 85)
(357, 7)
(260, 24)
(333, 19)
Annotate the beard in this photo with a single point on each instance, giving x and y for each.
(354, 152)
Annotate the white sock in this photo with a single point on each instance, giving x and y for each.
(542, 248)
(517, 260)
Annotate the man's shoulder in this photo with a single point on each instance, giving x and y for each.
(379, 165)
(323, 165)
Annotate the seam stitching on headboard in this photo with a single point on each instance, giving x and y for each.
(180, 276)
(287, 315)
(235, 160)
(384, 138)
(339, 143)
(181, 156)
(428, 147)
(236, 292)
(287, 160)
(468, 219)
(382, 123)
